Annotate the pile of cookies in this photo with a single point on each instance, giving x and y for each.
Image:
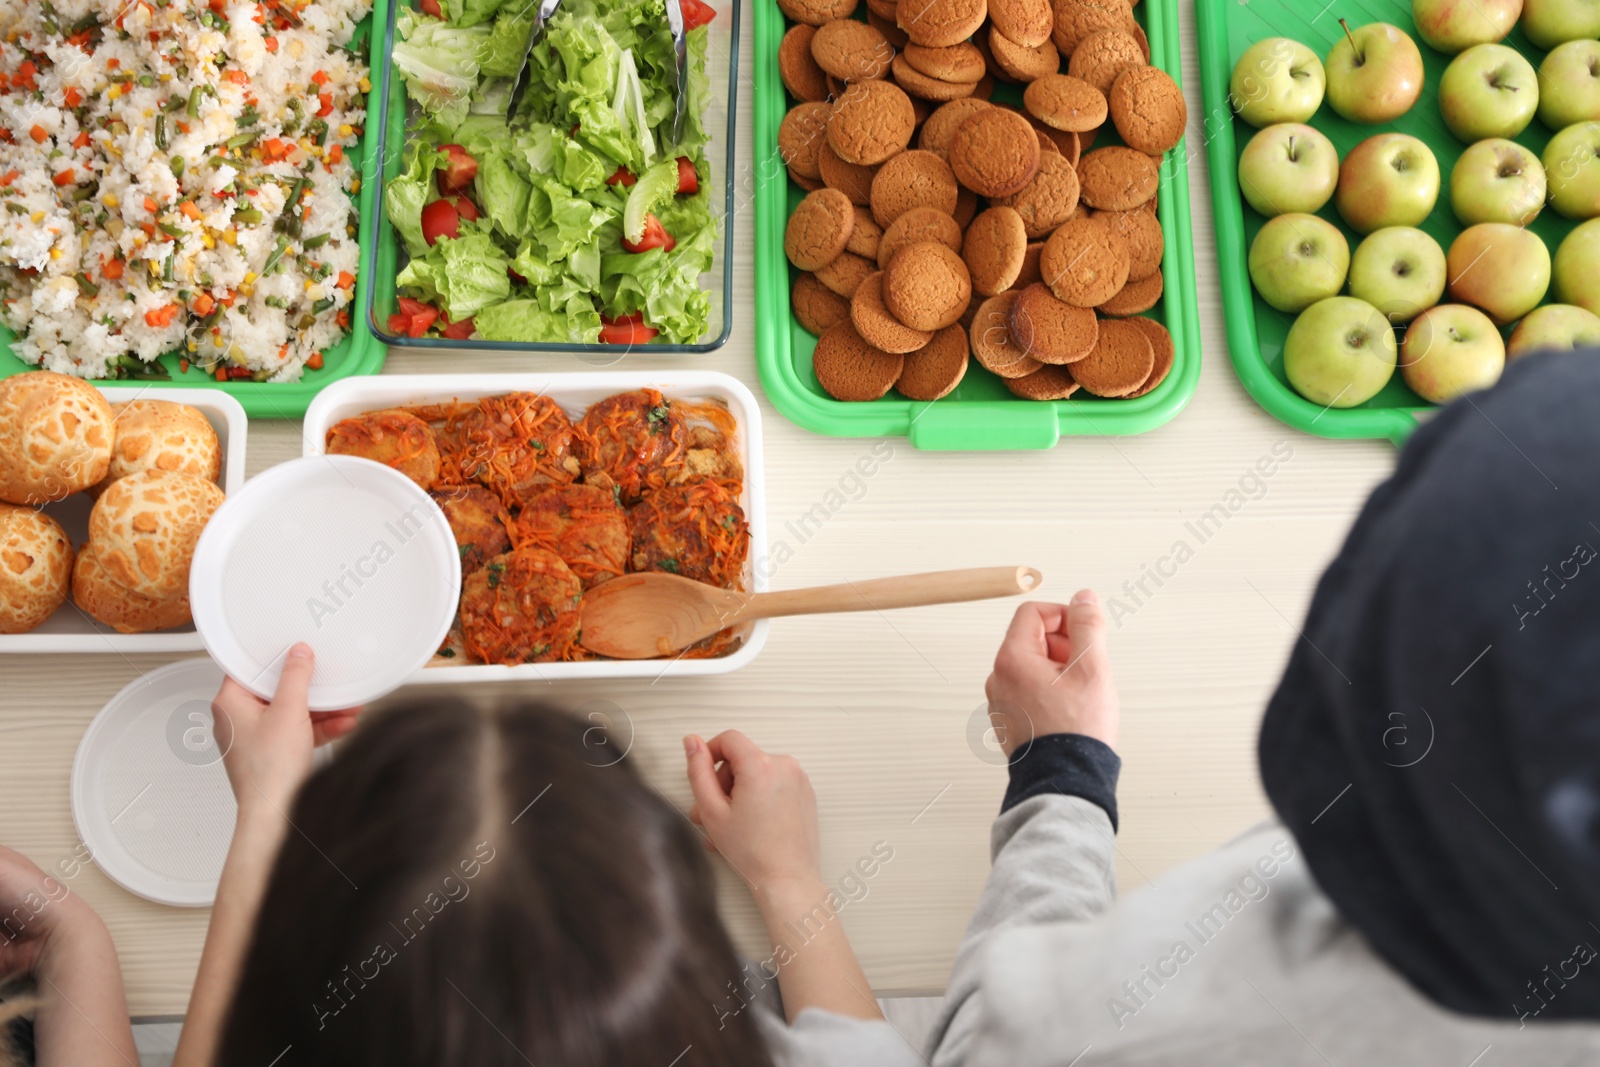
(152, 466)
(939, 226)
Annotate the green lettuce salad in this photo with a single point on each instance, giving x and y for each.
(580, 221)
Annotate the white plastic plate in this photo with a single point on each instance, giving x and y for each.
(70, 630)
(149, 795)
(575, 392)
(337, 551)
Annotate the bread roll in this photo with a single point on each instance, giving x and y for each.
(35, 568)
(122, 609)
(55, 437)
(144, 528)
(162, 435)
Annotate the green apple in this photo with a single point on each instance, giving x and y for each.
(1340, 352)
(1573, 171)
(1500, 268)
(1297, 260)
(1569, 84)
(1288, 168)
(1390, 179)
(1399, 270)
(1453, 25)
(1497, 181)
(1554, 326)
(1550, 22)
(1488, 91)
(1374, 73)
(1577, 267)
(1277, 80)
(1450, 350)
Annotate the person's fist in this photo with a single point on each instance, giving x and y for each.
(1052, 674)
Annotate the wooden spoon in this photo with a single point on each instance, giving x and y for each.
(642, 616)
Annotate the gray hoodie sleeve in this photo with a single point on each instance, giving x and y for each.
(1053, 861)
(820, 1038)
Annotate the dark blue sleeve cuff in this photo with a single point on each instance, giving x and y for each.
(1073, 765)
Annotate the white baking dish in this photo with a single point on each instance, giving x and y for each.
(575, 392)
(69, 629)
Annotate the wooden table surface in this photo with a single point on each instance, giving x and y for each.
(880, 707)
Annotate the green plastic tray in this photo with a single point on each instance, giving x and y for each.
(1256, 331)
(980, 413)
(358, 353)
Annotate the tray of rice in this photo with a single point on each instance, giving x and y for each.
(185, 193)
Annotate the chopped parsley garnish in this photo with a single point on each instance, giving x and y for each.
(496, 570)
(670, 565)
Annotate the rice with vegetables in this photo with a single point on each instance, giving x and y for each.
(174, 177)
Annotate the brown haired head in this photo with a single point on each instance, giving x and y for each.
(467, 887)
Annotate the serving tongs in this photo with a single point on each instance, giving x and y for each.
(541, 18)
(680, 60)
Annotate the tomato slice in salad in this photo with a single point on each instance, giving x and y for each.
(417, 315)
(457, 176)
(457, 331)
(696, 13)
(621, 332)
(440, 219)
(465, 207)
(688, 177)
(655, 236)
(622, 176)
(431, 7)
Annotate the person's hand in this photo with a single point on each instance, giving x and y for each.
(266, 746)
(43, 918)
(757, 809)
(1052, 674)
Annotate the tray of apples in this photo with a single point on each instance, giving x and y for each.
(1406, 195)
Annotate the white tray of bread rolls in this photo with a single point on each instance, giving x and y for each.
(101, 503)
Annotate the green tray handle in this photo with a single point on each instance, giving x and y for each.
(984, 426)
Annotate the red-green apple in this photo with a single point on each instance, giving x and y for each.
(1297, 260)
(1488, 91)
(1500, 268)
(1453, 25)
(1550, 22)
(1554, 326)
(1497, 181)
(1340, 352)
(1450, 350)
(1577, 267)
(1288, 168)
(1277, 80)
(1399, 270)
(1374, 73)
(1572, 167)
(1390, 179)
(1569, 84)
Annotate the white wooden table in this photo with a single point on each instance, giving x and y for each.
(879, 708)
